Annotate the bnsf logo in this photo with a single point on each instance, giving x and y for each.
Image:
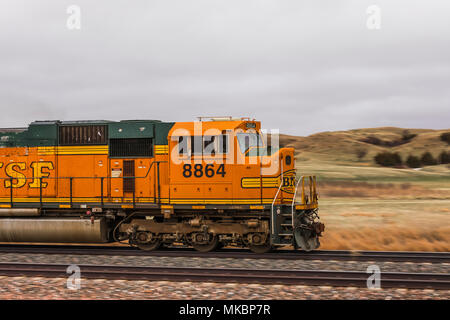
(288, 181)
(17, 179)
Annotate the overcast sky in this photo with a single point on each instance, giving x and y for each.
(300, 66)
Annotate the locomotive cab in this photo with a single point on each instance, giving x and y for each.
(228, 162)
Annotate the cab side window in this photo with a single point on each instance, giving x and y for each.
(209, 145)
(183, 145)
(223, 144)
(206, 145)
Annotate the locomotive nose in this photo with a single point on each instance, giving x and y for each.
(287, 170)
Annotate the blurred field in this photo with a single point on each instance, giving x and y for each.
(372, 224)
(367, 207)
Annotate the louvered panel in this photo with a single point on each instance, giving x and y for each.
(83, 135)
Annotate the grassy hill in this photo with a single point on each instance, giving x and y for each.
(334, 155)
(343, 145)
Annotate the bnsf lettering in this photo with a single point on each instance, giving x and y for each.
(39, 173)
(199, 171)
(12, 171)
(288, 181)
(15, 170)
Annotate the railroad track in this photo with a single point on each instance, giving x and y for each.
(285, 277)
(340, 255)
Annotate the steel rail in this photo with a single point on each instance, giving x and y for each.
(339, 255)
(232, 275)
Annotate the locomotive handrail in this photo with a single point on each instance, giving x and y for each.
(279, 188)
(71, 179)
(312, 193)
(274, 199)
(302, 179)
(107, 177)
(312, 190)
(57, 178)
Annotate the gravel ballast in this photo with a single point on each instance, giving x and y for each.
(56, 288)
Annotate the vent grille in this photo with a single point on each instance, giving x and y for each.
(125, 148)
(82, 135)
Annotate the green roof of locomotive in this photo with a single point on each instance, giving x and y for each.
(46, 133)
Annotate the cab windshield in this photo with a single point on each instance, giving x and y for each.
(249, 140)
(261, 151)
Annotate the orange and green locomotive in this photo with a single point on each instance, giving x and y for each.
(205, 184)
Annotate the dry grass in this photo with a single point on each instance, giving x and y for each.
(386, 216)
(379, 224)
(381, 190)
(387, 239)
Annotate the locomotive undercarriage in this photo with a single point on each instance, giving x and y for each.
(204, 234)
(148, 229)
(208, 232)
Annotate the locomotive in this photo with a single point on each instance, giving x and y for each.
(207, 184)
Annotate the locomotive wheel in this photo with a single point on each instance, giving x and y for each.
(261, 248)
(255, 243)
(148, 241)
(210, 246)
(149, 246)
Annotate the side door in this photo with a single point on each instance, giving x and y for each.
(116, 180)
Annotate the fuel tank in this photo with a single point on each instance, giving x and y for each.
(8, 212)
(62, 230)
